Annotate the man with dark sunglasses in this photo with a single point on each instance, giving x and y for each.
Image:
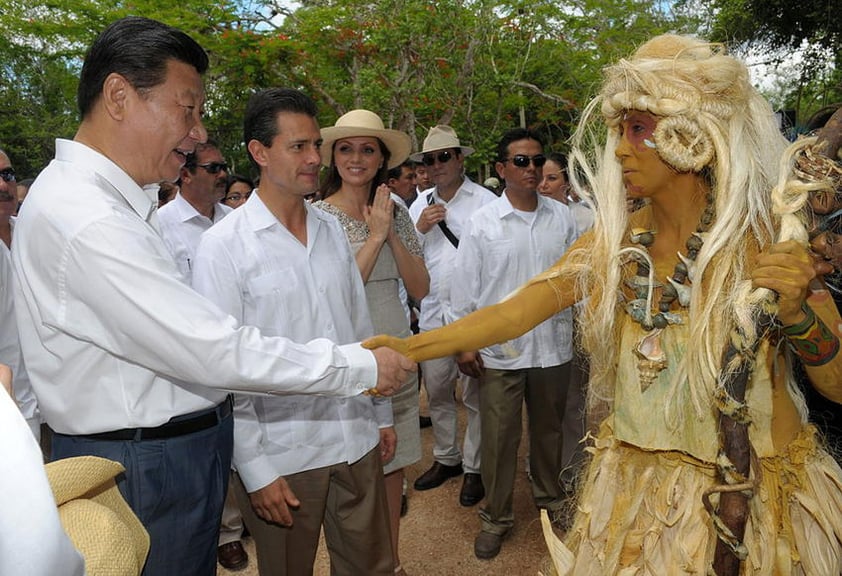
(196, 207)
(439, 215)
(504, 244)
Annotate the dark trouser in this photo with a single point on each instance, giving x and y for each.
(176, 486)
(501, 396)
(348, 501)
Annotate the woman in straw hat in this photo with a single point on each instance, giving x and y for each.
(700, 302)
(358, 152)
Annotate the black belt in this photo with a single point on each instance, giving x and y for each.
(179, 426)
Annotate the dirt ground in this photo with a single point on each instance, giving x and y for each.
(437, 534)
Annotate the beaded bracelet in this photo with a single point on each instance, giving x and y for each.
(811, 339)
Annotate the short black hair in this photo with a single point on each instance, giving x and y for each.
(138, 49)
(514, 135)
(191, 160)
(397, 171)
(262, 110)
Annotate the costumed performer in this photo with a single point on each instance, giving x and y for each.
(708, 285)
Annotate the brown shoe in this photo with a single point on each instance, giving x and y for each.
(487, 545)
(232, 556)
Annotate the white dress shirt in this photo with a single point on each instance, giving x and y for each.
(182, 226)
(10, 353)
(32, 542)
(257, 271)
(113, 338)
(439, 253)
(500, 250)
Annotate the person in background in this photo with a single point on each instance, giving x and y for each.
(401, 181)
(505, 244)
(440, 215)
(8, 198)
(22, 191)
(238, 190)
(422, 177)
(359, 152)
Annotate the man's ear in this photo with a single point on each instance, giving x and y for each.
(258, 151)
(116, 94)
(499, 166)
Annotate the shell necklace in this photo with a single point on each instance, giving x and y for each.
(651, 358)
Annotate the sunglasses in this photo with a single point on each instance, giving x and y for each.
(522, 161)
(214, 167)
(7, 174)
(443, 158)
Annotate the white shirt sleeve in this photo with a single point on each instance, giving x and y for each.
(32, 541)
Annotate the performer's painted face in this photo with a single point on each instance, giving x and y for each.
(645, 174)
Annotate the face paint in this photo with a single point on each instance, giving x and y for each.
(638, 128)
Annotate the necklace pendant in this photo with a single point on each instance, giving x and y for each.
(651, 359)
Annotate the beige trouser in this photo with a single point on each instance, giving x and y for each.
(351, 502)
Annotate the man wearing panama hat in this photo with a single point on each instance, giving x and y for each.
(440, 214)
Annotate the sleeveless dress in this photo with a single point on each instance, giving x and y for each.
(390, 317)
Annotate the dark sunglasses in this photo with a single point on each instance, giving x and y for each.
(522, 161)
(214, 167)
(7, 174)
(443, 158)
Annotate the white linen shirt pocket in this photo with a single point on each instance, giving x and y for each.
(268, 299)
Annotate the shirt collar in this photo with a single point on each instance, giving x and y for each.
(260, 218)
(504, 206)
(141, 199)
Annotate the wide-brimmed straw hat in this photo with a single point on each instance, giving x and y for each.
(441, 137)
(358, 123)
(95, 516)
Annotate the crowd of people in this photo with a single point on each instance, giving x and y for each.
(248, 354)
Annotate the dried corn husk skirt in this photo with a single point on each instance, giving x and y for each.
(641, 513)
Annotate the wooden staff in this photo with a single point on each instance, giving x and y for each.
(738, 364)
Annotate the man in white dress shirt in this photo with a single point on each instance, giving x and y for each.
(504, 244)
(282, 265)
(128, 362)
(440, 215)
(196, 206)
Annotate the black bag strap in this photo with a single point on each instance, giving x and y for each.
(448, 233)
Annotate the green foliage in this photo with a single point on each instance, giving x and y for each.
(483, 66)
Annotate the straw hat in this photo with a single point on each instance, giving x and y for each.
(95, 516)
(441, 137)
(365, 123)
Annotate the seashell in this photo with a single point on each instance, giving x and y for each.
(689, 265)
(672, 317)
(683, 291)
(651, 359)
(637, 310)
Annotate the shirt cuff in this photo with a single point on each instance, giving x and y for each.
(362, 368)
(257, 473)
(383, 412)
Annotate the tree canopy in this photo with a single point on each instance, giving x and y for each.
(482, 66)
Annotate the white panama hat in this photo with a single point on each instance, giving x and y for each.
(365, 123)
(441, 137)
